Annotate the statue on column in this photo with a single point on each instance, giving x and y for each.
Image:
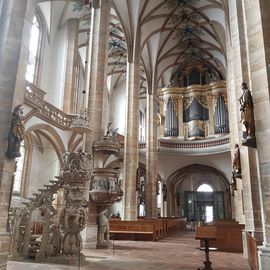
(233, 184)
(236, 162)
(247, 117)
(164, 191)
(16, 133)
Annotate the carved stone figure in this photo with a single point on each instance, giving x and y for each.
(55, 239)
(233, 184)
(108, 129)
(164, 191)
(112, 184)
(247, 117)
(236, 162)
(139, 175)
(73, 222)
(98, 183)
(16, 133)
(103, 229)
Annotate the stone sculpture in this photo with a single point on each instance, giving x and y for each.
(16, 133)
(164, 191)
(236, 162)
(247, 117)
(106, 188)
(103, 229)
(233, 184)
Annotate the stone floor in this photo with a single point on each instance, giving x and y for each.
(179, 251)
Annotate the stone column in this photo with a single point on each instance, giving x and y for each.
(238, 71)
(98, 57)
(161, 109)
(132, 131)
(27, 235)
(70, 97)
(258, 36)
(151, 155)
(15, 26)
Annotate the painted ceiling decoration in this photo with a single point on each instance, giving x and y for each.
(173, 34)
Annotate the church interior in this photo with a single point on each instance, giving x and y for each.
(134, 134)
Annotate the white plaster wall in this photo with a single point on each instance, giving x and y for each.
(169, 163)
(118, 107)
(44, 167)
(53, 66)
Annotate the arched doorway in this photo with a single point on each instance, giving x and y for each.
(208, 213)
(200, 191)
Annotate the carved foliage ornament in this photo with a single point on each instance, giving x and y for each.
(175, 102)
(202, 99)
(76, 166)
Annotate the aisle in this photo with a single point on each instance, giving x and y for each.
(176, 252)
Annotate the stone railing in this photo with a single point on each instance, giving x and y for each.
(34, 97)
(195, 144)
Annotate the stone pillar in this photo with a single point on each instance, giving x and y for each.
(151, 155)
(258, 36)
(161, 111)
(70, 97)
(238, 71)
(27, 234)
(132, 131)
(98, 57)
(15, 26)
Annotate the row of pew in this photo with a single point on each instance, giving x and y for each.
(145, 229)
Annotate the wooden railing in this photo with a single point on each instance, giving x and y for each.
(252, 250)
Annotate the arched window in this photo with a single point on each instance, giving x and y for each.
(34, 48)
(205, 188)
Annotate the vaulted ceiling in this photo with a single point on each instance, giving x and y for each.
(172, 33)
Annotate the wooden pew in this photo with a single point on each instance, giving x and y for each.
(145, 228)
(160, 225)
(133, 230)
(229, 235)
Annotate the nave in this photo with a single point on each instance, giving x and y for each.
(177, 252)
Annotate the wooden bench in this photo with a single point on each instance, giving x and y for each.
(133, 230)
(229, 236)
(144, 228)
(160, 225)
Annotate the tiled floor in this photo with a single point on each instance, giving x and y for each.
(179, 251)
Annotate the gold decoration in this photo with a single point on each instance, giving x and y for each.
(202, 99)
(175, 102)
(196, 123)
(215, 97)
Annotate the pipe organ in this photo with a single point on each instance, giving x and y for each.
(194, 112)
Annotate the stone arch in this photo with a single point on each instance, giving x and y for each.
(50, 134)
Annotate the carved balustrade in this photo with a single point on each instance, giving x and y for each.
(34, 97)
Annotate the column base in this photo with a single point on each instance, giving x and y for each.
(264, 257)
(244, 240)
(89, 236)
(4, 249)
